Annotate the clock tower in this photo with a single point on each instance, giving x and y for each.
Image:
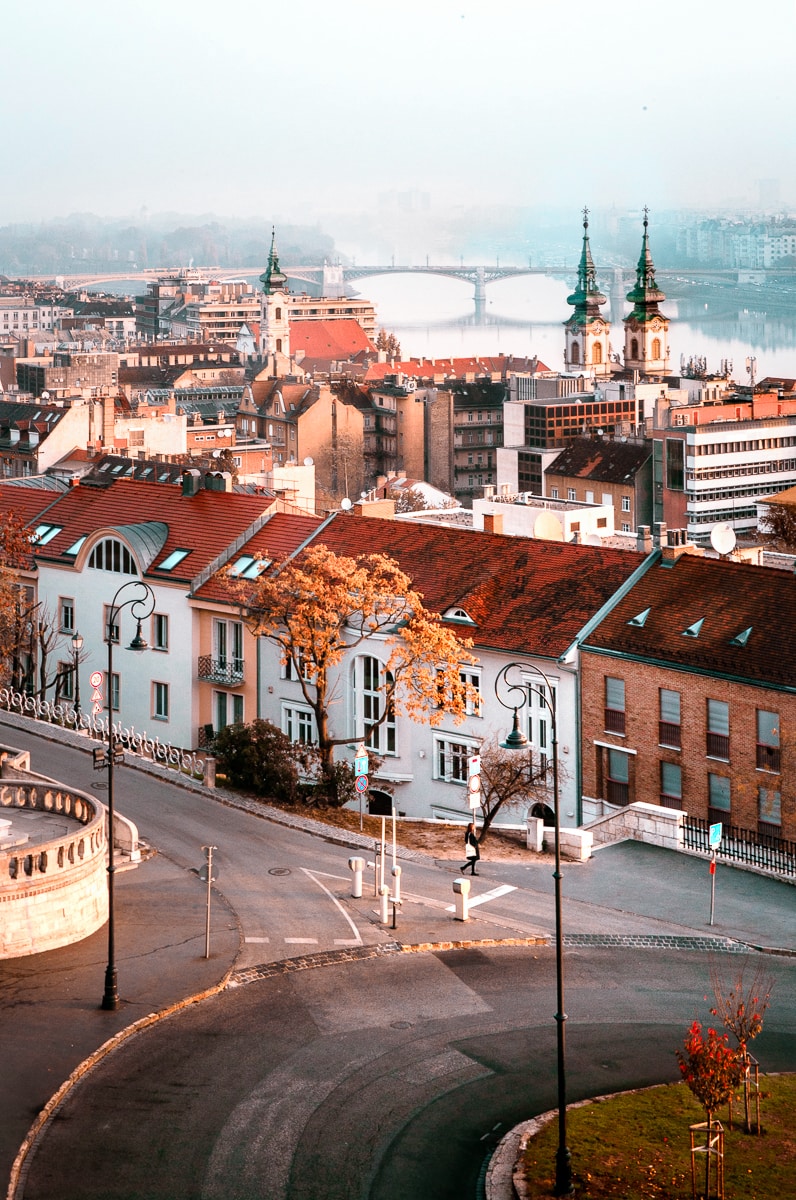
(646, 328)
(587, 349)
(274, 324)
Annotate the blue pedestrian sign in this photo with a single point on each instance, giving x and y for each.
(714, 835)
(361, 760)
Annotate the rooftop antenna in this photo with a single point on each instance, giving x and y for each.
(722, 538)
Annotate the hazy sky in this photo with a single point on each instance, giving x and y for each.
(303, 107)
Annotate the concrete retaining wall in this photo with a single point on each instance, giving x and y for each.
(642, 822)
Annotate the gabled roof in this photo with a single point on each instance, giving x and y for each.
(524, 596)
(336, 339)
(729, 599)
(281, 535)
(605, 460)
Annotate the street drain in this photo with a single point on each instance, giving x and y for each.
(279, 871)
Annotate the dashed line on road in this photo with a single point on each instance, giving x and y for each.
(301, 941)
(313, 876)
(258, 940)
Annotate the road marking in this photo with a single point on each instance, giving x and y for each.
(256, 939)
(301, 941)
(503, 890)
(347, 941)
(335, 901)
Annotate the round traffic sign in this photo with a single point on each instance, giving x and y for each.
(474, 783)
(95, 678)
(361, 783)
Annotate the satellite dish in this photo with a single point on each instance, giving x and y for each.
(593, 539)
(216, 454)
(45, 395)
(722, 538)
(346, 504)
(309, 462)
(548, 527)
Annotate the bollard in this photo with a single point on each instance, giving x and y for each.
(384, 900)
(396, 884)
(356, 866)
(461, 893)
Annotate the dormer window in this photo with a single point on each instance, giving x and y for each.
(742, 638)
(640, 618)
(458, 614)
(693, 631)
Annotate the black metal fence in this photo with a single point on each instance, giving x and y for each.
(743, 845)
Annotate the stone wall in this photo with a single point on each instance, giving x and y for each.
(55, 892)
(641, 822)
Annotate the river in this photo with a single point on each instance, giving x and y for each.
(434, 317)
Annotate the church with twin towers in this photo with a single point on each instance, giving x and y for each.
(588, 345)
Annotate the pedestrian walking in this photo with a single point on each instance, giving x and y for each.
(471, 849)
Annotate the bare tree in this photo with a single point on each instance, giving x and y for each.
(512, 779)
(779, 524)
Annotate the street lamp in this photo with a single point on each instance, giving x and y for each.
(141, 602)
(517, 740)
(77, 646)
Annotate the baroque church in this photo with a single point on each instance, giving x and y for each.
(588, 347)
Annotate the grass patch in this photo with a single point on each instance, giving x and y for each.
(638, 1145)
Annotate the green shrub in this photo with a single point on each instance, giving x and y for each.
(260, 758)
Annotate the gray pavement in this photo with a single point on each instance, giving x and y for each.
(53, 1030)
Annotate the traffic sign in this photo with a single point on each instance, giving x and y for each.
(474, 765)
(361, 783)
(361, 760)
(714, 835)
(95, 679)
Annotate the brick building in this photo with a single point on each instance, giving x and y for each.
(606, 470)
(689, 696)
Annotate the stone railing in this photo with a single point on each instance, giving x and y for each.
(53, 892)
(163, 753)
(642, 822)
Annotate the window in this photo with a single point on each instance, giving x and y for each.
(571, 495)
(719, 799)
(450, 759)
(625, 504)
(112, 555)
(554, 493)
(228, 649)
(66, 679)
(718, 735)
(669, 718)
(172, 560)
(768, 749)
(160, 701)
(110, 630)
(618, 781)
(368, 693)
(614, 705)
(228, 709)
(671, 785)
(297, 724)
(160, 631)
(66, 614)
(116, 692)
(675, 464)
(473, 703)
(769, 812)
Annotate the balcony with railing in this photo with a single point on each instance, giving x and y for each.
(214, 669)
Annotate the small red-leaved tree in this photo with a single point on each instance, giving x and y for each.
(711, 1068)
(741, 1008)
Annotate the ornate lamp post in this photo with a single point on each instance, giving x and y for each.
(517, 740)
(77, 646)
(141, 602)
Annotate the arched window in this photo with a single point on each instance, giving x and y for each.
(368, 693)
(597, 352)
(112, 555)
(278, 314)
(634, 347)
(279, 345)
(575, 355)
(656, 347)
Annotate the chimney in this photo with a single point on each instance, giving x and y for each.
(659, 535)
(643, 539)
(191, 482)
(493, 522)
(108, 416)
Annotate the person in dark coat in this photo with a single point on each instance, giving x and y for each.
(471, 849)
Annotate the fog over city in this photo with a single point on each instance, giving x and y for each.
(306, 111)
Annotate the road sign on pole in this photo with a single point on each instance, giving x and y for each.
(474, 780)
(361, 783)
(714, 835)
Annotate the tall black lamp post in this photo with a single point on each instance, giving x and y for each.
(77, 646)
(141, 602)
(507, 693)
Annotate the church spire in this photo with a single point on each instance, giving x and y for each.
(587, 297)
(646, 295)
(272, 278)
(646, 348)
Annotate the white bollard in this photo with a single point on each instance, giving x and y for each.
(461, 893)
(384, 900)
(396, 884)
(356, 866)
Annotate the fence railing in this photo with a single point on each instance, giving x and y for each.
(743, 845)
(65, 715)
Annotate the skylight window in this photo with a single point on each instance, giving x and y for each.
(742, 638)
(43, 534)
(171, 560)
(249, 567)
(73, 549)
(639, 619)
(694, 630)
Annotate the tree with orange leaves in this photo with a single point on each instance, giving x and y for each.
(320, 606)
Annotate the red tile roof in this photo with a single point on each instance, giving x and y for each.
(339, 339)
(282, 534)
(525, 596)
(729, 598)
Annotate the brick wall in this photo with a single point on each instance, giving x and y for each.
(642, 684)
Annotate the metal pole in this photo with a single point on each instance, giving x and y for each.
(110, 999)
(563, 1158)
(210, 850)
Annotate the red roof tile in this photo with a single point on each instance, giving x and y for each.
(728, 598)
